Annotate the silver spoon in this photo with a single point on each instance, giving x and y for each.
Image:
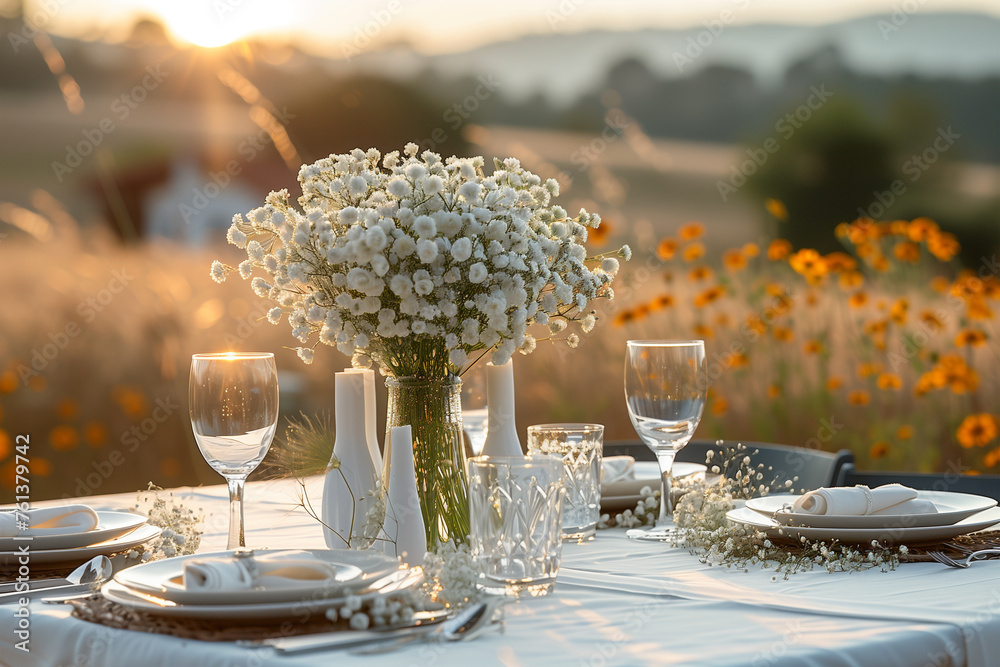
(91, 575)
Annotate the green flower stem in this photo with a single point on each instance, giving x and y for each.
(433, 410)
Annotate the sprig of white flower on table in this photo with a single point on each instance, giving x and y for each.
(700, 512)
(701, 515)
(421, 264)
(451, 575)
(181, 535)
(379, 612)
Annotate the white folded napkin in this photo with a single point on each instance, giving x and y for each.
(49, 521)
(617, 469)
(283, 569)
(889, 499)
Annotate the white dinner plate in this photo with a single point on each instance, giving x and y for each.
(70, 557)
(651, 469)
(952, 508)
(620, 496)
(109, 526)
(162, 578)
(906, 535)
(397, 581)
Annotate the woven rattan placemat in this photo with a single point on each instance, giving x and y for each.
(97, 609)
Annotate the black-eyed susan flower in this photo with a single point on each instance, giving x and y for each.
(906, 251)
(708, 296)
(95, 434)
(64, 438)
(693, 252)
(700, 273)
(943, 245)
(920, 229)
(977, 430)
(734, 260)
(888, 381)
(879, 449)
(666, 249)
(691, 231)
(970, 337)
(858, 397)
(777, 208)
(812, 346)
(779, 249)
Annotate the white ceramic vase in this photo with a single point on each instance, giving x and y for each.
(501, 434)
(348, 491)
(371, 415)
(404, 523)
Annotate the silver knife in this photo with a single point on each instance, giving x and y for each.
(344, 639)
(53, 591)
(34, 584)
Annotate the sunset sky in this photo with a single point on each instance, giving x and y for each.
(435, 26)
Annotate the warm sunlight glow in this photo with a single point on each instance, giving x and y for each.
(215, 24)
(201, 35)
(188, 26)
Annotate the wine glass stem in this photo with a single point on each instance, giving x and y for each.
(666, 461)
(236, 539)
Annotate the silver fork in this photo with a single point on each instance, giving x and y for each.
(944, 559)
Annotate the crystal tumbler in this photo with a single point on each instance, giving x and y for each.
(580, 447)
(515, 508)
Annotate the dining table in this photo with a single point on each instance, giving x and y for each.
(616, 602)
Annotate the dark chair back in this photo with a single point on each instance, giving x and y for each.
(980, 485)
(807, 468)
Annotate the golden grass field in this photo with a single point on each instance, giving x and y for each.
(890, 351)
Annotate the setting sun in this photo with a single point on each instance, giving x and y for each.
(216, 24)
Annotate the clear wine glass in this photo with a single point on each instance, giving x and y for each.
(233, 401)
(665, 385)
(475, 415)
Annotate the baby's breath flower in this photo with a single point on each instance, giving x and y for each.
(700, 515)
(370, 226)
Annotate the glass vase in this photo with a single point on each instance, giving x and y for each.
(433, 411)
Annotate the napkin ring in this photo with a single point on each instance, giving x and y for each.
(245, 558)
(868, 498)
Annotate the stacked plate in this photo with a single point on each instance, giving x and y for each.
(115, 531)
(957, 514)
(157, 587)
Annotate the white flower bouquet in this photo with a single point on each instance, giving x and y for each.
(424, 266)
(418, 263)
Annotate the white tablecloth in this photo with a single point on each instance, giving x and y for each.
(617, 602)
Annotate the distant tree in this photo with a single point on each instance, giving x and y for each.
(828, 169)
(363, 112)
